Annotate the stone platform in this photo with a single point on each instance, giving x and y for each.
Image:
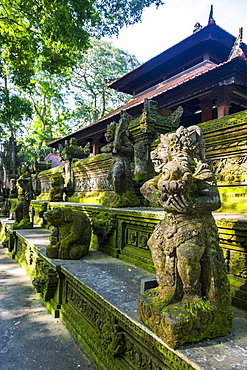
(96, 299)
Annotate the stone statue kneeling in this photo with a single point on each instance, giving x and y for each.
(71, 236)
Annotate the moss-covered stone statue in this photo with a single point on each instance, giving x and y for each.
(13, 191)
(192, 300)
(21, 211)
(120, 172)
(57, 188)
(71, 236)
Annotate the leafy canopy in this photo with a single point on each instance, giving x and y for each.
(100, 64)
(53, 31)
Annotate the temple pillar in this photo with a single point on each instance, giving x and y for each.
(95, 147)
(206, 107)
(96, 144)
(223, 100)
(223, 106)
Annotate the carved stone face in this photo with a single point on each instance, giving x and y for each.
(110, 132)
(160, 157)
(175, 178)
(54, 216)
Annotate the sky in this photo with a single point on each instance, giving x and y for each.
(174, 21)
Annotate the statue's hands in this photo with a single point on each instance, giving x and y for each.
(178, 203)
(63, 249)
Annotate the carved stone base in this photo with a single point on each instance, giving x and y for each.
(188, 321)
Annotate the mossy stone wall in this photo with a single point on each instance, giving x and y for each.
(226, 151)
(109, 336)
(123, 234)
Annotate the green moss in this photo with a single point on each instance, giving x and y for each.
(128, 199)
(186, 322)
(24, 224)
(233, 199)
(88, 197)
(236, 282)
(43, 196)
(232, 119)
(49, 172)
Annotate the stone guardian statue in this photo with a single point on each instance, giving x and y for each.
(192, 300)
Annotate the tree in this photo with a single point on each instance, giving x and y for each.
(100, 64)
(53, 31)
(14, 110)
(47, 94)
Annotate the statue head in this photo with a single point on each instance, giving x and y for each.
(110, 132)
(183, 145)
(57, 179)
(160, 156)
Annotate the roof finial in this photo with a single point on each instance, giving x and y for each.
(236, 49)
(211, 18)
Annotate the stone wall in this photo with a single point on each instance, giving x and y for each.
(90, 180)
(226, 151)
(110, 333)
(123, 233)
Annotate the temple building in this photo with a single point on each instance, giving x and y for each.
(204, 73)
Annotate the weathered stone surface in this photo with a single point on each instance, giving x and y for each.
(189, 262)
(226, 151)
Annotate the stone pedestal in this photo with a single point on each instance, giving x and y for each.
(187, 321)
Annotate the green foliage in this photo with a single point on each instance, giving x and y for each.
(14, 109)
(53, 31)
(115, 14)
(41, 42)
(48, 30)
(100, 64)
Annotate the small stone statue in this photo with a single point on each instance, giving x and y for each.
(57, 188)
(120, 173)
(71, 236)
(38, 166)
(13, 191)
(192, 299)
(22, 217)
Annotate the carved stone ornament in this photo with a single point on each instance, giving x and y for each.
(103, 225)
(45, 281)
(192, 300)
(111, 335)
(72, 151)
(71, 236)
